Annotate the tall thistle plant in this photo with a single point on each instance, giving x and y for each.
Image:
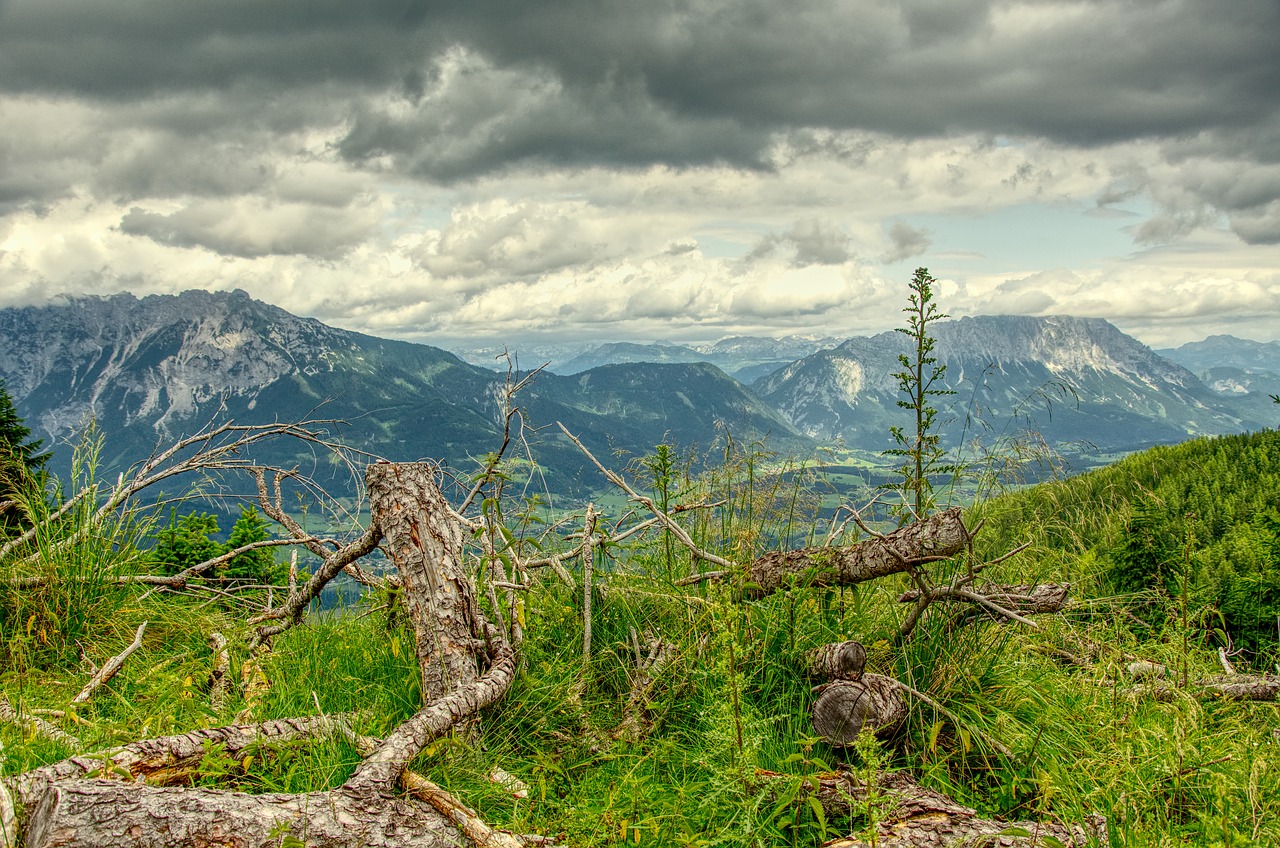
(919, 383)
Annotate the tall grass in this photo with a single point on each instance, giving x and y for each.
(730, 705)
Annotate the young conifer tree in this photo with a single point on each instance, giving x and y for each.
(919, 382)
(20, 463)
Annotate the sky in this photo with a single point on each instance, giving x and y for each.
(476, 172)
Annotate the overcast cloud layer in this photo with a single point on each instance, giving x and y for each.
(502, 171)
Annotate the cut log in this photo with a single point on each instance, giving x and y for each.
(93, 813)
(938, 536)
(845, 708)
(837, 661)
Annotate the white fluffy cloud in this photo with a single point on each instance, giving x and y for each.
(452, 172)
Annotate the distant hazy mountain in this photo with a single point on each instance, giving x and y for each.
(620, 353)
(745, 358)
(1231, 366)
(1072, 379)
(152, 369)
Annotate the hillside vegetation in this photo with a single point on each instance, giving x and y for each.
(688, 722)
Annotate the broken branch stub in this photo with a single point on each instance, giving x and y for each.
(938, 536)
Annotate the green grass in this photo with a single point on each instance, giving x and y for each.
(1190, 771)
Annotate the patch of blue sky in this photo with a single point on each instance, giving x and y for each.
(1029, 236)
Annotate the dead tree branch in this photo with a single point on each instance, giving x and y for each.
(110, 667)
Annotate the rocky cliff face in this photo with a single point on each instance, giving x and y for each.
(160, 359)
(1070, 378)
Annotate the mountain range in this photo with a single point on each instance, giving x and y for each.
(149, 370)
(745, 358)
(152, 369)
(1231, 366)
(1073, 380)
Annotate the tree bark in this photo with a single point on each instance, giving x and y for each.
(167, 760)
(922, 818)
(91, 813)
(424, 538)
(1040, 599)
(1235, 687)
(912, 815)
(938, 536)
(837, 661)
(846, 707)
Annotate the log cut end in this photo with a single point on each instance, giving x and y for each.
(845, 708)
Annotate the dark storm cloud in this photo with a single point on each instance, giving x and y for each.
(454, 89)
(1089, 72)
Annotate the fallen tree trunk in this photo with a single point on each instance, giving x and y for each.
(844, 708)
(938, 536)
(915, 817)
(425, 541)
(167, 760)
(1236, 687)
(92, 813)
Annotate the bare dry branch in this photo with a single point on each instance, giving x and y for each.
(110, 667)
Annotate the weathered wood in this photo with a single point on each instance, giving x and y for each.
(424, 538)
(166, 760)
(846, 707)
(9, 713)
(915, 816)
(837, 661)
(1235, 687)
(635, 724)
(938, 536)
(220, 677)
(424, 541)
(110, 668)
(8, 819)
(1038, 599)
(94, 813)
(922, 818)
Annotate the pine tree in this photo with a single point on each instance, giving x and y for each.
(187, 541)
(258, 565)
(21, 466)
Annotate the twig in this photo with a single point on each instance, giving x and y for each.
(665, 519)
(219, 678)
(110, 667)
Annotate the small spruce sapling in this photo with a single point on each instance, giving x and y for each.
(920, 381)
